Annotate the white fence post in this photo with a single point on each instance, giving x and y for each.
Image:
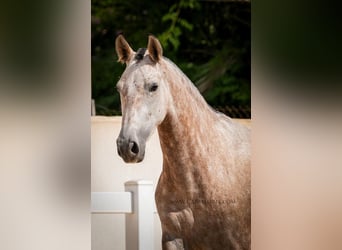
(139, 224)
(93, 108)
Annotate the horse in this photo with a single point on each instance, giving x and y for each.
(203, 193)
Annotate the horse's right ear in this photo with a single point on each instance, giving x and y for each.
(123, 50)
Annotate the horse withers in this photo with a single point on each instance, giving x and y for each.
(203, 194)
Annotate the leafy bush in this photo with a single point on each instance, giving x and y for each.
(209, 41)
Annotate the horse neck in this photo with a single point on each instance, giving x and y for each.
(187, 122)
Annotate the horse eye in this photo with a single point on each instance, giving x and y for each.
(153, 87)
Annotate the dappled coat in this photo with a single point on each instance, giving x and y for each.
(203, 193)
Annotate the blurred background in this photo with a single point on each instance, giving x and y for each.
(209, 40)
(45, 83)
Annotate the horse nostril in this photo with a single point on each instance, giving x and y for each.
(134, 147)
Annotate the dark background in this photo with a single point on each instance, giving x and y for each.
(209, 40)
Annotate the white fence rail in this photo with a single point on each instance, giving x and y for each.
(137, 203)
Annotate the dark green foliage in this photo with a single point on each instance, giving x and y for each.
(208, 40)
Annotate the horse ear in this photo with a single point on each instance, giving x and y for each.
(123, 50)
(154, 48)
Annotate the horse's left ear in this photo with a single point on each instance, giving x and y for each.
(154, 48)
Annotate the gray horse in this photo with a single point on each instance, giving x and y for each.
(203, 193)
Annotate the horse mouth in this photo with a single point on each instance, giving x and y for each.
(132, 159)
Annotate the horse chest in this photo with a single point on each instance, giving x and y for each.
(187, 184)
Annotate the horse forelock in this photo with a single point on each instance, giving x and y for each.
(140, 54)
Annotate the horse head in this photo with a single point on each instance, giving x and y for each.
(143, 94)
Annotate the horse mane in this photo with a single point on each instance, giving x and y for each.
(186, 84)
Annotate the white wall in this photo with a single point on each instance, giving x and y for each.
(109, 173)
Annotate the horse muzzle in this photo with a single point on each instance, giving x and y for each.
(130, 150)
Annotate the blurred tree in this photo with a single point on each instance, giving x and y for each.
(209, 40)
